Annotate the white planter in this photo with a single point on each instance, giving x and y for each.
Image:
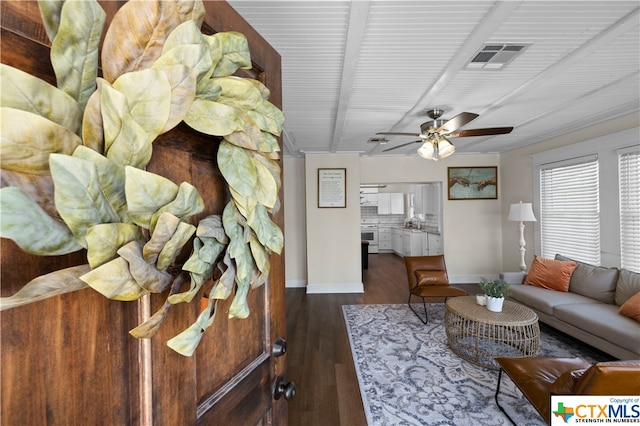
(494, 304)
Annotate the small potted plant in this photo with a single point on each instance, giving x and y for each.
(495, 292)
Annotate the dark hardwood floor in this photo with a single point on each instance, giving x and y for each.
(318, 350)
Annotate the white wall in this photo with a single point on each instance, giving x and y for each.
(334, 262)
(295, 230)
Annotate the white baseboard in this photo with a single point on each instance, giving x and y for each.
(335, 288)
(295, 284)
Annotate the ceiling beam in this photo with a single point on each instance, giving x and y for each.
(358, 18)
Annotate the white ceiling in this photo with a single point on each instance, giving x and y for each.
(354, 68)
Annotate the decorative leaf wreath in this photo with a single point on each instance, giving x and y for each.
(86, 143)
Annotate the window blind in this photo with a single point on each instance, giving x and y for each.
(570, 211)
(629, 178)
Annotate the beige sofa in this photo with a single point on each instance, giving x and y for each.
(589, 311)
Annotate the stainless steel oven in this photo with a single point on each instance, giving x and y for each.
(369, 233)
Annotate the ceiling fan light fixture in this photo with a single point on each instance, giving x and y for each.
(428, 151)
(445, 148)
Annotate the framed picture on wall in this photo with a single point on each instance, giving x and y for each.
(332, 188)
(473, 183)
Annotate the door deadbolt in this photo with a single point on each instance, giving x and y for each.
(279, 347)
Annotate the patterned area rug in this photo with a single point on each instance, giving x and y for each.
(409, 376)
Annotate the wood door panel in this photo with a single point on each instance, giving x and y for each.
(70, 360)
(65, 361)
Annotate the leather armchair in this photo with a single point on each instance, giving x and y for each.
(540, 377)
(427, 277)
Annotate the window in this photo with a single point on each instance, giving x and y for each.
(569, 210)
(629, 178)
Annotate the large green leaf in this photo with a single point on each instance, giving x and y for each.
(183, 92)
(186, 46)
(79, 196)
(174, 246)
(114, 281)
(238, 247)
(237, 168)
(186, 342)
(148, 94)
(148, 328)
(146, 194)
(187, 203)
(50, 12)
(268, 117)
(211, 226)
(266, 189)
(239, 92)
(126, 142)
(191, 9)
(163, 231)
(208, 90)
(46, 286)
(212, 118)
(235, 53)
(92, 125)
(260, 255)
(268, 232)
(250, 137)
(111, 178)
(224, 287)
(74, 49)
(239, 307)
(104, 241)
(201, 265)
(28, 93)
(146, 276)
(34, 231)
(27, 141)
(136, 35)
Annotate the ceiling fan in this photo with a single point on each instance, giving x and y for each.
(434, 134)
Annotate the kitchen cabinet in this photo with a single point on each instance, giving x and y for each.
(406, 242)
(416, 243)
(368, 197)
(425, 244)
(427, 198)
(396, 241)
(390, 203)
(385, 240)
(435, 244)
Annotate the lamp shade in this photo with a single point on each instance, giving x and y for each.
(427, 151)
(445, 148)
(521, 212)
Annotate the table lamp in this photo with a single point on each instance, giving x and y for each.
(521, 212)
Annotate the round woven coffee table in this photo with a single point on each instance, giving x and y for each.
(478, 335)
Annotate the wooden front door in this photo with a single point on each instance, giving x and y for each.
(70, 360)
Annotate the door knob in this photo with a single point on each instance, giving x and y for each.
(279, 347)
(284, 388)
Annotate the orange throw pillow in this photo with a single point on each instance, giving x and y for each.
(550, 273)
(631, 308)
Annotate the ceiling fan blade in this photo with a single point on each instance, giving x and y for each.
(401, 146)
(481, 132)
(417, 135)
(456, 122)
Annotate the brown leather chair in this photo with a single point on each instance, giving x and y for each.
(540, 377)
(428, 277)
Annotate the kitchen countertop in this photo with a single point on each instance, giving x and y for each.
(425, 230)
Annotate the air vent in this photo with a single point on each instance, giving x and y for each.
(495, 56)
